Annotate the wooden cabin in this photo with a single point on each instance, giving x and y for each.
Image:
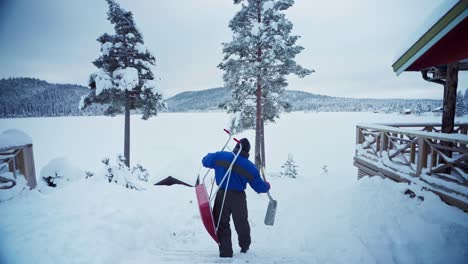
(433, 156)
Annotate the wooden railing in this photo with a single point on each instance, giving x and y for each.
(418, 151)
(19, 158)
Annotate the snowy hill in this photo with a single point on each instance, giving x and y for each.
(208, 100)
(205, 100)
(31, 97)
(28, 97)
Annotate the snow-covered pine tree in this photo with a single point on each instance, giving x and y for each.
(125, 79)
(460, 107)
(418, 109)
(466, 96)
(289, 168)
(255, 64)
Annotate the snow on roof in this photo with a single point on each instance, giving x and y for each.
(14, 138)
(435, 16)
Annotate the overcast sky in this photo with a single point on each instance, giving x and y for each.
(350, 44)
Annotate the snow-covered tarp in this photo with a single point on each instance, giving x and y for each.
(14, 138)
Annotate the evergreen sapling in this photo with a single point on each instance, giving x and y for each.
(289, 168)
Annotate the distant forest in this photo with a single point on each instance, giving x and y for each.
(30, 97)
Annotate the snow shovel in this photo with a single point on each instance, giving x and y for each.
(271, 210)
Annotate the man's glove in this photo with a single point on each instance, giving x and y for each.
(269, 185)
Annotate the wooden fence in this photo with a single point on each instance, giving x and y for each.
(416, 152)
(19, 158)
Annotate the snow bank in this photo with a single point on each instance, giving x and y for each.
(328, 219)
(392, 226)
(14, 137)
(61, 171)
(20, 188)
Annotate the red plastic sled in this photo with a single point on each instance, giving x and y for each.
(205, 210)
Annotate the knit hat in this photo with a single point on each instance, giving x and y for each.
(245, 145)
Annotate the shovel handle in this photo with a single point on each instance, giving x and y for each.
(262, 172)
(269, 196)
(263, 175)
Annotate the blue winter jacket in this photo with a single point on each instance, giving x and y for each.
(243, 171)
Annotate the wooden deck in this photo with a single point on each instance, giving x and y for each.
(19, 158)
(417, 153)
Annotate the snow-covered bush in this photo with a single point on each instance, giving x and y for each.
(140, 172)
(324, 170)
(289, 168)
(58, 172)
(132, 178)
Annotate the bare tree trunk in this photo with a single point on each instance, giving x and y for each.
(263, 144)
(127, 133)
(259, 119)
(258, 126)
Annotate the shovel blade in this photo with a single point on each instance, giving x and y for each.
(271, 212)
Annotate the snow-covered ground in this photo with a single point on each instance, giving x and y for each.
(323, 216)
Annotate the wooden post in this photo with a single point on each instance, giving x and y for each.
(358, 135)
(25, 164)
(422, 156)
(384, 142)
(464, 131)
(450, 98)
(433, 158)
(413, 152)
(377, 143)
(20, 162)
(30, 172)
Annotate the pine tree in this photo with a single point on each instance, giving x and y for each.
(418, 109)
(460, 107)
(125, 79)
(289, 168)
(255, 64)
(466, 97)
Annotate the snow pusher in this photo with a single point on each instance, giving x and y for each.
(205, 201)
(272, 204)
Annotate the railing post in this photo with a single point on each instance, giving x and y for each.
(377, 142)
(422, 156)
(413, 152)
(359, 138)
(463, 131)
(384, 141)
(433, 158)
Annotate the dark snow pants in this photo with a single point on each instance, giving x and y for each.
(235, 204)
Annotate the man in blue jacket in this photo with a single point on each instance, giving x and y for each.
(243, 172)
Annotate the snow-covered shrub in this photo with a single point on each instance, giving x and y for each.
(140, 172)
(289, 168)
(89, 174)
(122, 175)
(324, 170)
(58, 172)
